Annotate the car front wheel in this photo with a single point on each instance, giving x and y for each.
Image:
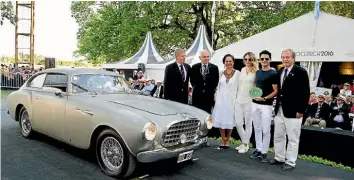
(25, 123)
(113, 155)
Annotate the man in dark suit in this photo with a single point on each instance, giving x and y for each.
(176, 79)
(339, 117)
(318, 113)
(292, 101)
(204, 80)
(158, 90)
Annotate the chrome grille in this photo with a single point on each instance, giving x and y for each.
(189, 128)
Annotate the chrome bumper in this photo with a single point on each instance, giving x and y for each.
(159, 154)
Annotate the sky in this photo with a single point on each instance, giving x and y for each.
(55, 31)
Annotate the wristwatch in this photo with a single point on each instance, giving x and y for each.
(264, 99)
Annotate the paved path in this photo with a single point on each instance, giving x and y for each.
(44, 158)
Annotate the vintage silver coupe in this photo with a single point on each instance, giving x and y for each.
(98, 110)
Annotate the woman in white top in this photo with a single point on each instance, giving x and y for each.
(346, 90)
(225, 99)
(244, 100)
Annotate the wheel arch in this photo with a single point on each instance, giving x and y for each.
(101, 128)
(17, 111)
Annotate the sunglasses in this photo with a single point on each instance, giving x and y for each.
(264, 59)
(248, 59)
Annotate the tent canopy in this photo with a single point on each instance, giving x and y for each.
(146, 55)
(331, 40)
(192, 54)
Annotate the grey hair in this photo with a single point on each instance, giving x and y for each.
(293, 54)
(202, 51)
(177, 51)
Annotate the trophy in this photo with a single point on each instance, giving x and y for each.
(256, 92)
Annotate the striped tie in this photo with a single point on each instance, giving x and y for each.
(318, 111)
(182, 73)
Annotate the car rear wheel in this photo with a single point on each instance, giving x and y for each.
(25, 123)
(113, 156)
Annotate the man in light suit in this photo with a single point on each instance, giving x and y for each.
(292, 101)
(176, 79)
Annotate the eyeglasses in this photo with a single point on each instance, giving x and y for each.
(264, 59)
(248, 59)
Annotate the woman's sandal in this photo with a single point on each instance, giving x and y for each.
(222, 145)
(227, 146)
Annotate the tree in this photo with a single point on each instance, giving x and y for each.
(116, 30)
(6, 8)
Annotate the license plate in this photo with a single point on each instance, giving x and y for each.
(185, 156)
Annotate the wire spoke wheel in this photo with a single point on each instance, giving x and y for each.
(26, 126)
(112, 153)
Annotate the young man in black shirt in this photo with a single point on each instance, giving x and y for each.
(262, 107)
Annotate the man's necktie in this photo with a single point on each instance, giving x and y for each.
(157, 93)
(182, 72)
(204, 69)
(285, 75)
(318, 111)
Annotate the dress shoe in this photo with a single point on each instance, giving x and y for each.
(287, 167)
(256, 154)
(264, 158)
(275, 162)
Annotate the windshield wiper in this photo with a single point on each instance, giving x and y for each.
(82, 88)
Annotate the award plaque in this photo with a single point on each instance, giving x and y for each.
(256, 92)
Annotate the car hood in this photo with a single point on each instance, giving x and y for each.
(148, 104)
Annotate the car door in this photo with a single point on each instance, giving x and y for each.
(49, 107)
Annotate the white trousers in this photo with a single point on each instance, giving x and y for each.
(243, 116)
(262, 118)
(286, 126)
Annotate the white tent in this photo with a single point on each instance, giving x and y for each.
(156, 71)
(147, 54)
(328, 39)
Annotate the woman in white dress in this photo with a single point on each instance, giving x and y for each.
(225, 99)
(244, 101)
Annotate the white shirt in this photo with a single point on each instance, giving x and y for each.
(283, 73)
(339, 118)
(184, 70)
(346, 92)
(245, 84)
(157, 92)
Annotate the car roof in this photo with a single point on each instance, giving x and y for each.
(75, 71)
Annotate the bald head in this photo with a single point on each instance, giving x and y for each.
(204, 56)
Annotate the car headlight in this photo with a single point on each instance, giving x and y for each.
(209, 122)
(149, 131)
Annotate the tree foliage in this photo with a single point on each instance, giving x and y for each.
(111, 31)
(6, 12)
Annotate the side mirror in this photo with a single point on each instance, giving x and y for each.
(59, 93)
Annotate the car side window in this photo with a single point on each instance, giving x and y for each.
(56, 81)
(37, 82)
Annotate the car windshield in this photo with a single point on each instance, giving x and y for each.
(96, 83)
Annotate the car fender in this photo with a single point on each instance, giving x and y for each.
(129, 127)
(18, 98)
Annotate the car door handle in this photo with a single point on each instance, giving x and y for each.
(85, 111)
(36, 97)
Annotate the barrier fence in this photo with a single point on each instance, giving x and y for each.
(13, 80)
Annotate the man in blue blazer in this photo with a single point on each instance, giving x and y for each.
(291, 103)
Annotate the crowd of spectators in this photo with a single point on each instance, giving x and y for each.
(333, 110)
(13, 76)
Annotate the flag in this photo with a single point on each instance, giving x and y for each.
(213, 12)
(317, 10)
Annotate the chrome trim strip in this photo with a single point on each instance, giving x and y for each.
(163, 153)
